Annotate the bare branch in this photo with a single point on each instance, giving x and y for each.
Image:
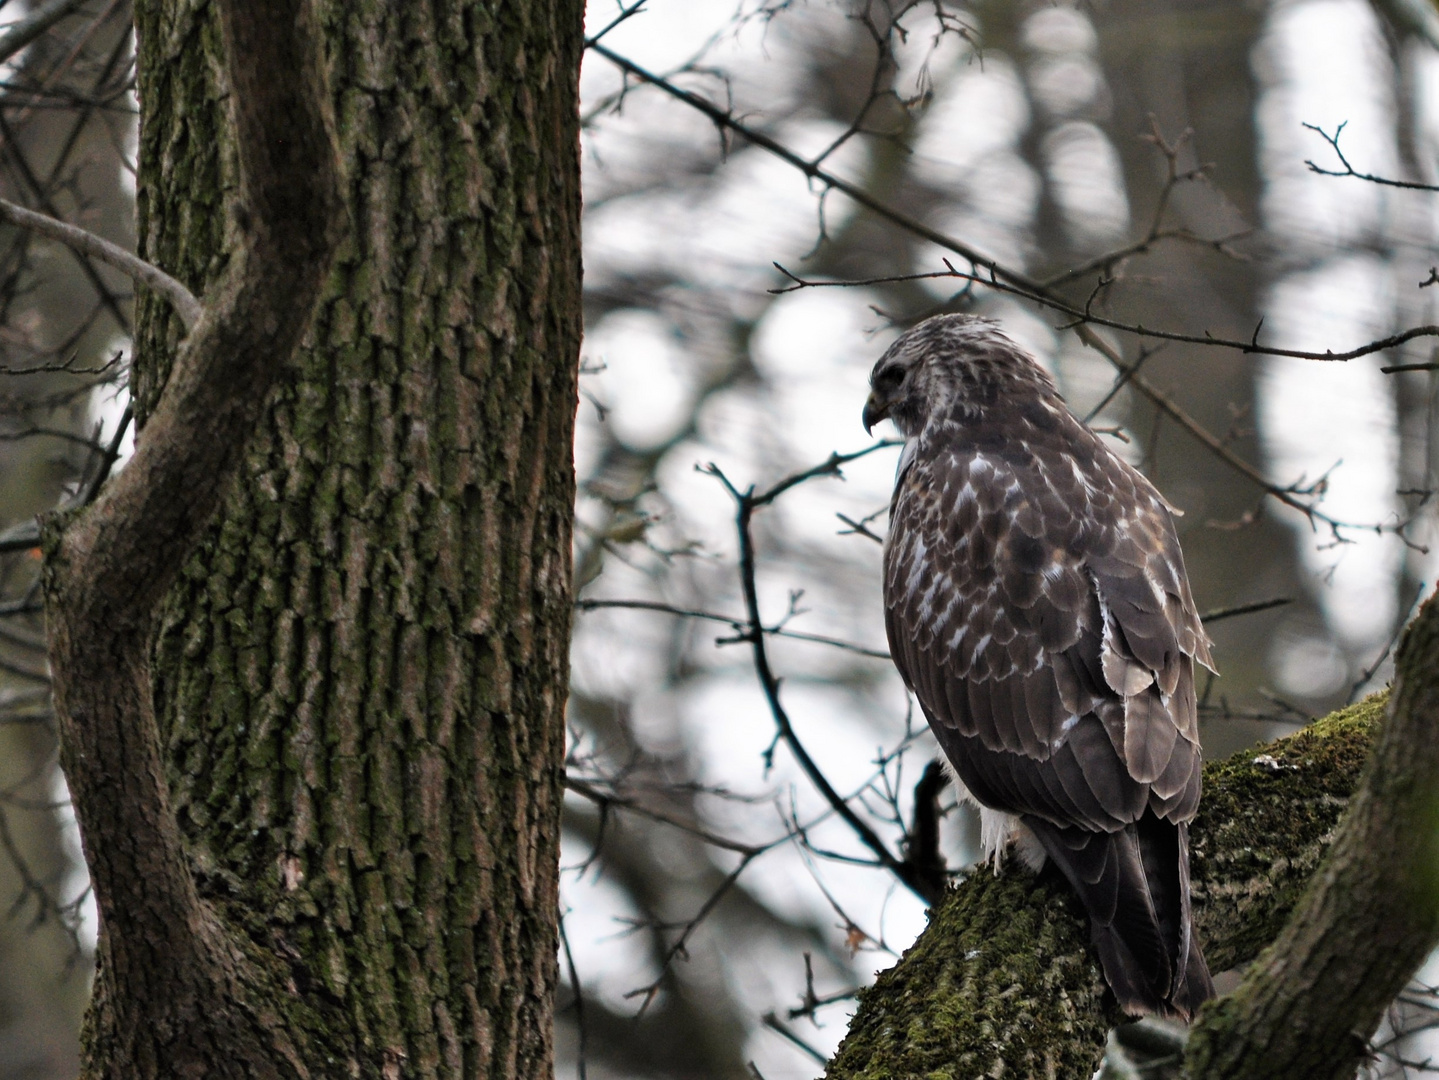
(625, 14)
(87, 243)
(990, 273)
(604, 800)
(20, 607)
(921, 842)
(775, 1024)
(1122, 380)
(811, 1001)
(1004, 977)
(994, 278)
(1244, 609)
(26, 535)
(1290, 496)
(1399, 625)
(677, 949)
(22, 33)
(43, 191)
(861, 527)
(22, 537)
(1333, 141)
(108, 565)
(579, 999)
(721, 118)
(737, 623)
(746, 502)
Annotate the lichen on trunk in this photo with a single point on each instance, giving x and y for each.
(358, 680)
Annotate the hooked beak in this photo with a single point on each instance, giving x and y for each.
(874, 412)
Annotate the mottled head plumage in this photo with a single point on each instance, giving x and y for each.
(946, 365)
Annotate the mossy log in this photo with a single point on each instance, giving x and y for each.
(1003, 982)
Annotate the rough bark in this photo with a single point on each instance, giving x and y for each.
(178, 990)
(1004, 982)
(1369, 917)
(355, 686)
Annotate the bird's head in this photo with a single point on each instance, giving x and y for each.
(952, 366)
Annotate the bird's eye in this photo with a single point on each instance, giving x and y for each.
(889, 379)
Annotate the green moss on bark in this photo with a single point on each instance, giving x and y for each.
(1003, 981)
(360, 677)
(1264, 824)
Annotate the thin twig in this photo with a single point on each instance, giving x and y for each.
(626, 13)
(678, 948)
(1369, 672)
(1121, 381)
(605, 799)
(1333, 141)
(996, 275)
(739, 624)
(992, 278)
(42, 192)
(775, 1024)
(26, 535)
(109, 457)
(579, 999)
(810, 1002)
(1244, 609)
(1005, 279)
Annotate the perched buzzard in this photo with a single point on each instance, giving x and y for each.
(1037, 605)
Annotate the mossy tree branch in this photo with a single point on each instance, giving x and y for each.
(1368, 919)
(1004, 980)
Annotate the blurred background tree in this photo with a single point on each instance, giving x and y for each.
(66, 149)
(1143, 158)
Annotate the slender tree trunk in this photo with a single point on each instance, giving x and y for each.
(358, 680)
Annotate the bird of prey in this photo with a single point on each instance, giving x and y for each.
(1036, 604)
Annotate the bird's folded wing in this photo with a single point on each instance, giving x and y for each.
(1032, 604)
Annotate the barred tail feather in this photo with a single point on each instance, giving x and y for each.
(1134, 883)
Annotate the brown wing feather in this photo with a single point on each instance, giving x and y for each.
(1031, 580)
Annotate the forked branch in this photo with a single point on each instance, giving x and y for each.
(1004, 980)
(922, 879)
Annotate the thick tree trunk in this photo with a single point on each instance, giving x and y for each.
(1004, 982)
(358, 681)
